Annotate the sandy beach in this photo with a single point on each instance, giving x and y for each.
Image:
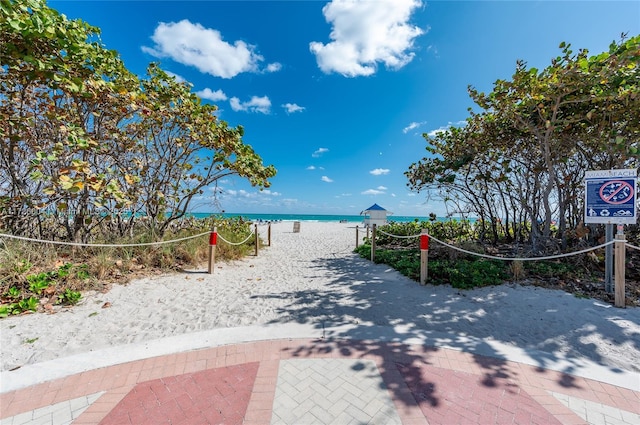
(312, 278)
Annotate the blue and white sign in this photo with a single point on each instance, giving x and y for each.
(610, 196)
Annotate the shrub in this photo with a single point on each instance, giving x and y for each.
(462, 274)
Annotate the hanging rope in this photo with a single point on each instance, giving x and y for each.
(628, 245)
(493, 257)
(397, 236)
(122, 245)
(235, 243)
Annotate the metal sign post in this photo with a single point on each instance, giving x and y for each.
(610, 199)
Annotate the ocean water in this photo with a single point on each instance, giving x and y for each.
(310, 217)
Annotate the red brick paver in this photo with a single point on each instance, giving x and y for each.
(451, 397)
(214, 396)
(235, 384)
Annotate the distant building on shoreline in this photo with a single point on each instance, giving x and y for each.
(375, 214)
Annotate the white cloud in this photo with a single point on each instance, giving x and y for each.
(382, 188)
(178, 78)
(433, 133)
(380, 171)
(413, 126)
(326, 179)
(311, 167)
(251, 195)
(237, 193)
(256, 104)
(319, 152)
(209, 94)
(273, 67)
(372, 192)
(365, 33)
(433, 49)
(292, 107)
(203, 48)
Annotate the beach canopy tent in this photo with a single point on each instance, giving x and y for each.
(375, 214)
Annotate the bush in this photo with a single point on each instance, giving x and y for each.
(547, 269)
(472, 274)
(462, 274)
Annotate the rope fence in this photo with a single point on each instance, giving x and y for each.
(398, 236)
(213, 240)
(121, 245)
(619, 243)
(236, 243)
(549, 257)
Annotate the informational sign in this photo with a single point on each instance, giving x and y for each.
(610, 196)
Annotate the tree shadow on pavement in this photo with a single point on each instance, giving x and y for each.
(363, 301)
(399, 364)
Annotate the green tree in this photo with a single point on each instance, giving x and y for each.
(522, 157)
(184, 148)
(61, 99)
(88, 146)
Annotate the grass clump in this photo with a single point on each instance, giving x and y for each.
(43, 277)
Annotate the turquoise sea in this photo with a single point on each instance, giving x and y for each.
(311, 217)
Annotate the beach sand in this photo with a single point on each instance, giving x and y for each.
(312, 278)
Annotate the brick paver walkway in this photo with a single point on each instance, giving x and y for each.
(307, 381)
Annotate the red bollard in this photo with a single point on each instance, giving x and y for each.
(213, 241)
(424, 242)
(424, 257)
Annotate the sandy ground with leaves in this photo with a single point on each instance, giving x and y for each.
(313, 278)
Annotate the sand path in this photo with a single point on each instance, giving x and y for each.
(313, 278)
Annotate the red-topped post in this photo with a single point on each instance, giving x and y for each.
(424, 256)
(213, 241)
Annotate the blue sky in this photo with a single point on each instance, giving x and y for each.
(336, 95)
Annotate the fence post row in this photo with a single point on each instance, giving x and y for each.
(619, 251)
(213, 241)
(424, 257)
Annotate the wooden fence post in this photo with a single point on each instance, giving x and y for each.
(257, 240)
(269, 235)
(213, 240)
(373, 244)
(620, 253)
(424, 257)
(357, 236)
